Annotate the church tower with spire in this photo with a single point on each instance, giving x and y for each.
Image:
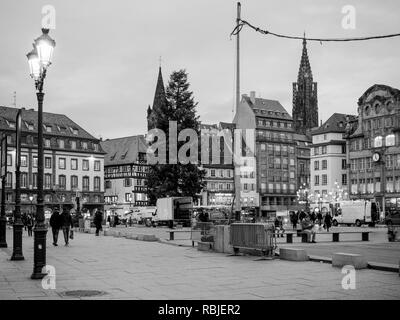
(159, 103)
(305, 99)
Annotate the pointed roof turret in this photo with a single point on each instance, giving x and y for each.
(305, 68)
(159, 96)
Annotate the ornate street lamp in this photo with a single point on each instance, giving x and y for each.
(39, 60)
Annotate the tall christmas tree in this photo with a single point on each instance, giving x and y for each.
(176, 104)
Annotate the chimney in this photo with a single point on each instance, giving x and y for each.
(253, 97)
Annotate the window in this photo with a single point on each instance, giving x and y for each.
(324, 164)
(378, 142)
(47, 181)
(85, 165)
(47, 162)
(212, 173)
(344, 179)
(107, 184)
(47, 128)
(221, 173)
(61, 163)
(316, 150)
(97, 165)
(35, 162)
(85, 183)
(316, 180)
(344, 149)
(344, 164)
(263, 147)
(61, 144)
(324, 150)
(47, 143)
(74, 182)
(24, 180)
(390, 140)
(34, 181)
(74, 164)
(96, 183)
(62, 182)
(316, 165)
(24, 160)
(245, 186)
(127, 182)
(128, 197)
(95, 147)
(9, 159)
(324, 179)
(84, 145)
(73, 144)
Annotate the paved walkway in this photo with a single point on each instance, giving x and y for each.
(131, 269)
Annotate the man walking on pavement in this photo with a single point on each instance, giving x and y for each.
(55, 223)
(98, 220)
(66, 224)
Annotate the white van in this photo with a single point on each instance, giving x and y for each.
(353, 212)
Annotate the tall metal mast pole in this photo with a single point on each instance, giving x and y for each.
(237, 152)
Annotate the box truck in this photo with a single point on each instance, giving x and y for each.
(173, 209)
(353, 212)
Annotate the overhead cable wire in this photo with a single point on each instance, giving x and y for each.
(242, 23)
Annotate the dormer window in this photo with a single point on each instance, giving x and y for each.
(11, 124)
(84, 145)
(95, 147)
(124, 155)
(74, 130)
(47, 127)
(29, 125)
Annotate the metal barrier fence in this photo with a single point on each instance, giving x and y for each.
(201, 231)
(258, 236)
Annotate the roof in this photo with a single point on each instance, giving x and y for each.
(271, 108)
(336, 123)
(61, 125)
(123, 150)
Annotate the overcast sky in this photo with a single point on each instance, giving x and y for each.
(107, 55)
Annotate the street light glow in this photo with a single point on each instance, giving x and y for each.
(45, 47)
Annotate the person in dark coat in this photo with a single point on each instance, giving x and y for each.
(328, 221)
(55, 223)
(29, 224)
(302, 215)
(294, 220)
(98, 220)
(66, 225)
(319, 218)
(116, 220)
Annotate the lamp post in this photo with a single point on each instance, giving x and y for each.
(17, 225)
(39, 60)
(3, 175)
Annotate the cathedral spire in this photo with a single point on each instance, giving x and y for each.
(305, 100)
(159, 102)
(305, 68)
(159, 96)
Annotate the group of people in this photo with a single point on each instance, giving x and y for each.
(28, 221)
(310, 222)
(64, 222)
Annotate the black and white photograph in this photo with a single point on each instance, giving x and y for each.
(199, 154)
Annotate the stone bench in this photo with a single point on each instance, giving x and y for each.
(172, 232)
(293, 254)
(147, 237)
(335, 235)
(204, 246)
(342, 259)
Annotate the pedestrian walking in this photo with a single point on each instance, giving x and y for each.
(328, 221)
(319, 218)
(66, 224)
(55, 224)
(116, 220)
(98, 220)
(294, 221)
(29, 224)
(109, 221)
